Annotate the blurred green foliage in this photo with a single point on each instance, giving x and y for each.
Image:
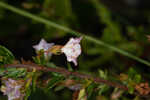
(6, 57)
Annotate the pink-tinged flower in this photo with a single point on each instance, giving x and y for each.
(72, 50)
(43, 45)
(12, 89)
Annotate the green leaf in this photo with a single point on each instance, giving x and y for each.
(34, 80)
(28, 93)
(28, 88)
(54, 81)
(14, 72)
(130, 89)
(90, 89)
(131, 73)
(102, 89)
(2, 71)
(82, 95)
(103, 74)
(134, 76)
(50, 64)
(40, 58)
(6, 57)
(69, 67)
(137, 78)
(58, 88)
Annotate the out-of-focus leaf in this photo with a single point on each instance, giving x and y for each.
(103, 74)
(60, 12)
(133, 76)
(130, 89)
(6, 57)
(90, 89)
(137, 33)
(131, 73)
(82, 95)
(54, 80)
(28, 93)
(102, 89)
(34, 80)
(69, 67)
(40, 58)
(117, 93)
(50, 64)
(58, 88)
(137, 98)
(2, 71)
(14, 72)
(137, 78)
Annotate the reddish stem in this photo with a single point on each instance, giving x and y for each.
(68, 73)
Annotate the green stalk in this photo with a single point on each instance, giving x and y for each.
(70, 31)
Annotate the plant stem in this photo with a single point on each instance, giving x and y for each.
(70, 31)
(67, 73)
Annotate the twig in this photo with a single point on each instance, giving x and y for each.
(67, 73)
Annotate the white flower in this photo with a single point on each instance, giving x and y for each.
(12, 89)
(43, 45)
(72, 50)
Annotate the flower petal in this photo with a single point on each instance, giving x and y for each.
(72, 50)
(43, 45)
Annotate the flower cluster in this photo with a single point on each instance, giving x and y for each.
(72, 49)
(12, 88)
